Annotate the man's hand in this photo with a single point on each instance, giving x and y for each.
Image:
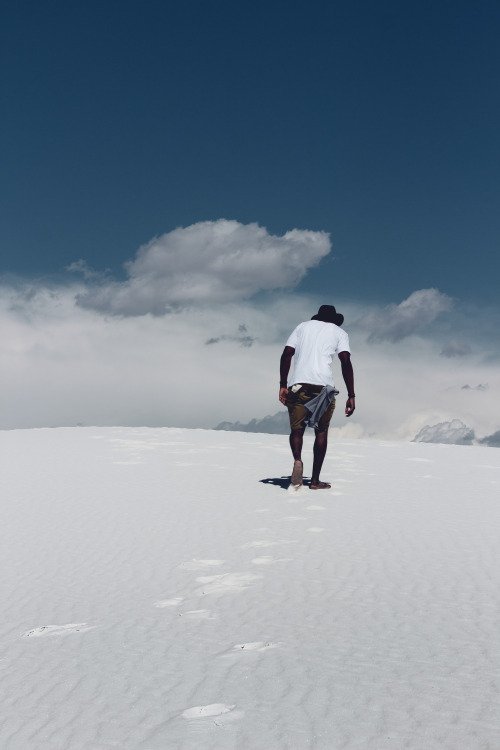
(349, 406)
(283, 395)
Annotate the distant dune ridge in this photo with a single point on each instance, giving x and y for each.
(162, 588)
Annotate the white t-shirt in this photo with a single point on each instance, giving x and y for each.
(315, 344)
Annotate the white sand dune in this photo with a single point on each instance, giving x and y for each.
(162, 590)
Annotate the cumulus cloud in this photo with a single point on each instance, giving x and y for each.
(207, 263)
(450, 433)
(455, 349)
(395, 322)
(491, 441)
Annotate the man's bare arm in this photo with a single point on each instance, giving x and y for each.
(348, 375)
(285, 362)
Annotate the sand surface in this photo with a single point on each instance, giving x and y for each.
(161, 589)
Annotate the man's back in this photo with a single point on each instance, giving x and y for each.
(315, 343)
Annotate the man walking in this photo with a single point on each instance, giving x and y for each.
(310, 398)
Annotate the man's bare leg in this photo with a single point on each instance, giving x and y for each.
(296, 440)
(319, 450)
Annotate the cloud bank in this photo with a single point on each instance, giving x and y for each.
(206, 263)
(62, 364)
(395, 322)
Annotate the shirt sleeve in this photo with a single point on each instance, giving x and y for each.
(293, 338)
(343, 343)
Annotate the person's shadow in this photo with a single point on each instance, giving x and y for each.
(283, 482)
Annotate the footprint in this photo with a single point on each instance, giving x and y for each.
(197, 614)
(255, 646)
(294, 518)
(269, 560)
(201, 712)
(315, 507)
(225, 582)
(316, 529)
(169, 602)
(267, 543)
(200, 564)
(79, 627)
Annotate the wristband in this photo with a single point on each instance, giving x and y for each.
(283, 385)
(351, 395)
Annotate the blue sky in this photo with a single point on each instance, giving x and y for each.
(376, 122)
(206, 134)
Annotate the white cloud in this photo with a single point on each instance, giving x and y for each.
(450, 433)
(61, 364)
(207, 263)
(396, 322)
(81, 266)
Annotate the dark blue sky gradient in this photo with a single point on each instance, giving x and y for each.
(377, 122)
